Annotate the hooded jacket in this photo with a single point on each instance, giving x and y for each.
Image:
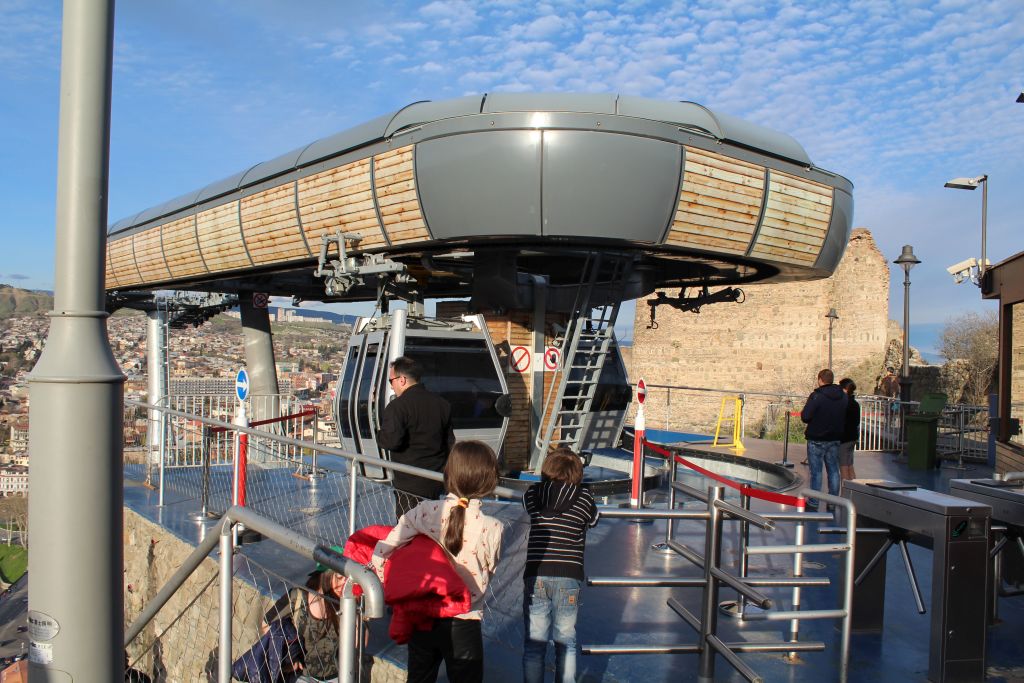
(560, 514)
(825, 413)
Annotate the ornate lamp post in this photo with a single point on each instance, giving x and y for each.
(832, 317)
(907, 260)
(972, 184)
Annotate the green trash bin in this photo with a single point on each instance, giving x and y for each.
(922, 432)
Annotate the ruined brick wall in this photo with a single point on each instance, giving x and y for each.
(774, 342)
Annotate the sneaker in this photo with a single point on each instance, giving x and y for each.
(830, 507)
(810, 508)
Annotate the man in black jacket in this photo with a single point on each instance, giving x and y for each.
(417, 428)
(825, 416)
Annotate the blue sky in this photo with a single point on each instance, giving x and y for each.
(897, 96)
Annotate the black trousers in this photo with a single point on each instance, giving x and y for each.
(456, 642)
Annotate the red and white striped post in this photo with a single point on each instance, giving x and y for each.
(241, 454)
(636, 493)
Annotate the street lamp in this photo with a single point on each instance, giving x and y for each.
(972, 184)
(832, 317)
(907, 260)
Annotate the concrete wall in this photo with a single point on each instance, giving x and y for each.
(773, 342)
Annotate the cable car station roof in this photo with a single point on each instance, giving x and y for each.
(526, 184)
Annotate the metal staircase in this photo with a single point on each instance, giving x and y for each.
(586, 345)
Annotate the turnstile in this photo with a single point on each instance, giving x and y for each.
(1006, 498)
(957, 531)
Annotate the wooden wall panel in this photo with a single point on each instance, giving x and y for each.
(395, 184)
(122, 262)
(340, 199)
(796, 220)
(271, 226)
(109, 272)
(181, 248)
(220, 238)
(149, 255)
(719, 203)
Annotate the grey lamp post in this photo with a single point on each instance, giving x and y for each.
(832, 317)
(907, 260)
(972, 184)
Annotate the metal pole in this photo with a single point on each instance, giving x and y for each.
(984, 228)
(712, 557)
(798, 571)
(163, 455)
(76, 441)
(155, 347)
(347, 636)
(353, 473)
(830, 343)
(744, 560)
(224, 652)
(905, 379)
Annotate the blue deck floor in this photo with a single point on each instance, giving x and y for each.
(641, 616)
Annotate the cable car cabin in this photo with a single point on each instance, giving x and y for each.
(459, 363)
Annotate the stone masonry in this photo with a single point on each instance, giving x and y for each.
(180, 644)
(774, 342)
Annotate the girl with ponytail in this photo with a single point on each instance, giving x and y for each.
(472, 540)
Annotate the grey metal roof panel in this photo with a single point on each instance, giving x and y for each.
(685, 114)
(269, 169)
(222, 187)
(761, 138)
(427, 111)
(123, 224)
(362, 134)
(580, 102)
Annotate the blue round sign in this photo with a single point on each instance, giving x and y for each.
(242, 385)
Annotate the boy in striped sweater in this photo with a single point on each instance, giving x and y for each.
(561, 510)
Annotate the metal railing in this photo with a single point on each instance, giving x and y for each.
(717, 511)
(372, 591)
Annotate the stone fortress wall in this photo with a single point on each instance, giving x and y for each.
(774, 342)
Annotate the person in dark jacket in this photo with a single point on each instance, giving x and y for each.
(561, 510)
(417, 428)
(825, 417)
(851, 429)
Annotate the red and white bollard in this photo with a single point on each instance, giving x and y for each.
(241, 458)
(636, 492)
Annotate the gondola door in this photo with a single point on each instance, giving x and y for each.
(367, 405)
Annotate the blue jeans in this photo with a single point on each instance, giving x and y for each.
(819, 452)
(550, 604)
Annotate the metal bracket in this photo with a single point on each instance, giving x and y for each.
(345, 272)
(693, 303)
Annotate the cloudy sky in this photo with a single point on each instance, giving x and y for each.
(897, 96)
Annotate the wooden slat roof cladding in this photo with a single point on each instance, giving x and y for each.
(674, 180)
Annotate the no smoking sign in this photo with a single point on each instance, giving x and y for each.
(519, 359)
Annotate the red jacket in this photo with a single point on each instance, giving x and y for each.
(420, 583)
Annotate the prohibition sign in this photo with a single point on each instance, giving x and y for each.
(552, 358)
(519, 359)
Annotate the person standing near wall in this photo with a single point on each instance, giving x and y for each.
(825, 416)
(851, 430)
(417, 428)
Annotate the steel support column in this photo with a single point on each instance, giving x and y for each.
(76, 601)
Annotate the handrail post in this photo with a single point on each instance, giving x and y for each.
(163, 452)
(798, 570)
(353, 474)
(712, 557)
(347, 633)
(744, 560)
(224, 650)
